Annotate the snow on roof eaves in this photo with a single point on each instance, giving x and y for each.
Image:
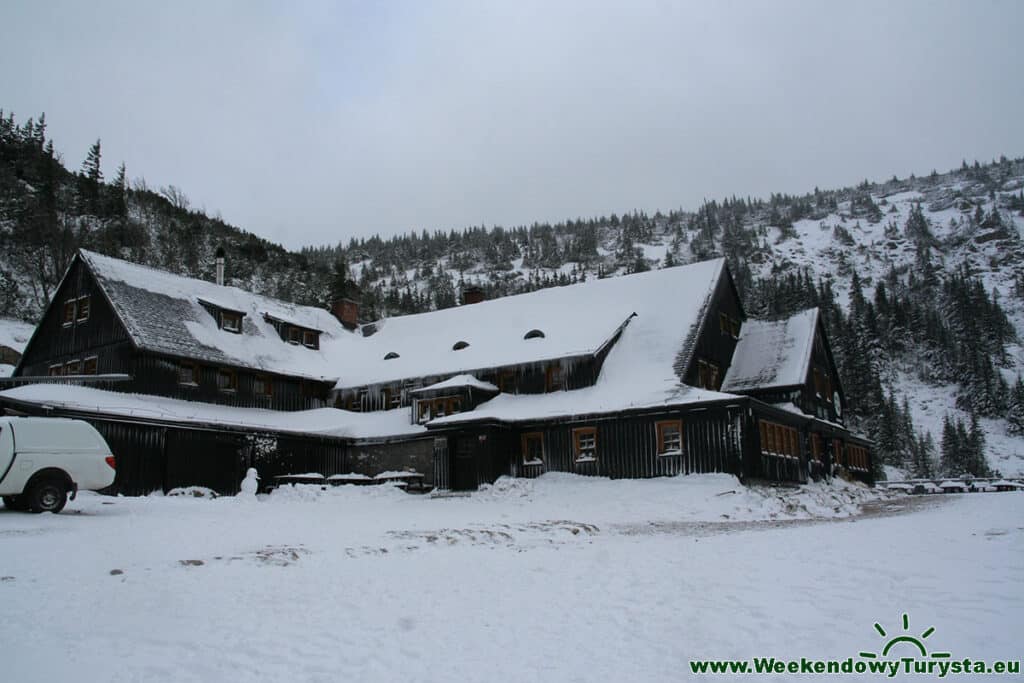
(772, 354)
(590, 401)
(319, 422)
(162, 313)
(577, 321)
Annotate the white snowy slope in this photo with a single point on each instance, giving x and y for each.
(559, 579)
(324, 421)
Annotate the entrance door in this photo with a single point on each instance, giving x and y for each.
(464, 464)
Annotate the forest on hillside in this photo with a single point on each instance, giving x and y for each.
(932, 314)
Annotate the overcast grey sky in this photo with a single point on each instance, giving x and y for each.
(312, 122)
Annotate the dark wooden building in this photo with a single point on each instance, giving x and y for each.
(653, 374)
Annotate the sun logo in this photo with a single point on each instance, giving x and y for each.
(915, 641)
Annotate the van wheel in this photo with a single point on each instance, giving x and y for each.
(47, 495)
(15, 503)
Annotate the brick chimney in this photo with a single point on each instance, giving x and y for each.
(347, 311)
(219, 260)
(473, 295)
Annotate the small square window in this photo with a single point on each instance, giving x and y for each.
(533, 448)
(227, 380)
(55, 370)
(261, 385)
(83, 308)
(69, 312)
(310, 339)
(188, 373)
(295, 335)
(90, 365)
(73, 367)
(231, 321)
(670, 437)
(584, 442)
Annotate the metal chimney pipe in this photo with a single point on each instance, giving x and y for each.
(220, 265)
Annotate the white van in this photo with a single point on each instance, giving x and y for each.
(43, 459)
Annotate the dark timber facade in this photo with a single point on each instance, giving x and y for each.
(789, 432)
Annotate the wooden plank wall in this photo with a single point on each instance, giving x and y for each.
(627, 447)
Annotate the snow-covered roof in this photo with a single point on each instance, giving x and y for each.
(319, 421)
(576, 320)
(164, 313)
(950, 484)
(772, 354)
(15, 334)
(458, 382)
(642, 368)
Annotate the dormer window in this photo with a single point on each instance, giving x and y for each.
(390, 355)
(459, 345)
(295, 335)
(228, 319)
(231, 321)
(310, 339)
(534, 334)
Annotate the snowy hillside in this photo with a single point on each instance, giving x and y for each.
(971, 225)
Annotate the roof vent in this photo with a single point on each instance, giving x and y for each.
(390, 355)
(459, 345)
(534, 334)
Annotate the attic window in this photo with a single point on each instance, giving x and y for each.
(311, 339)
(708, 375)
(390, 355)
(83, 308)
(69, 312)
(459, 345)
(231, 321)
(534, 334)
(294, 335)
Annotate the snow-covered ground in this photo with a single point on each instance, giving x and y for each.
(558, 579)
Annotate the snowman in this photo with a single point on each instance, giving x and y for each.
(251, 484)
